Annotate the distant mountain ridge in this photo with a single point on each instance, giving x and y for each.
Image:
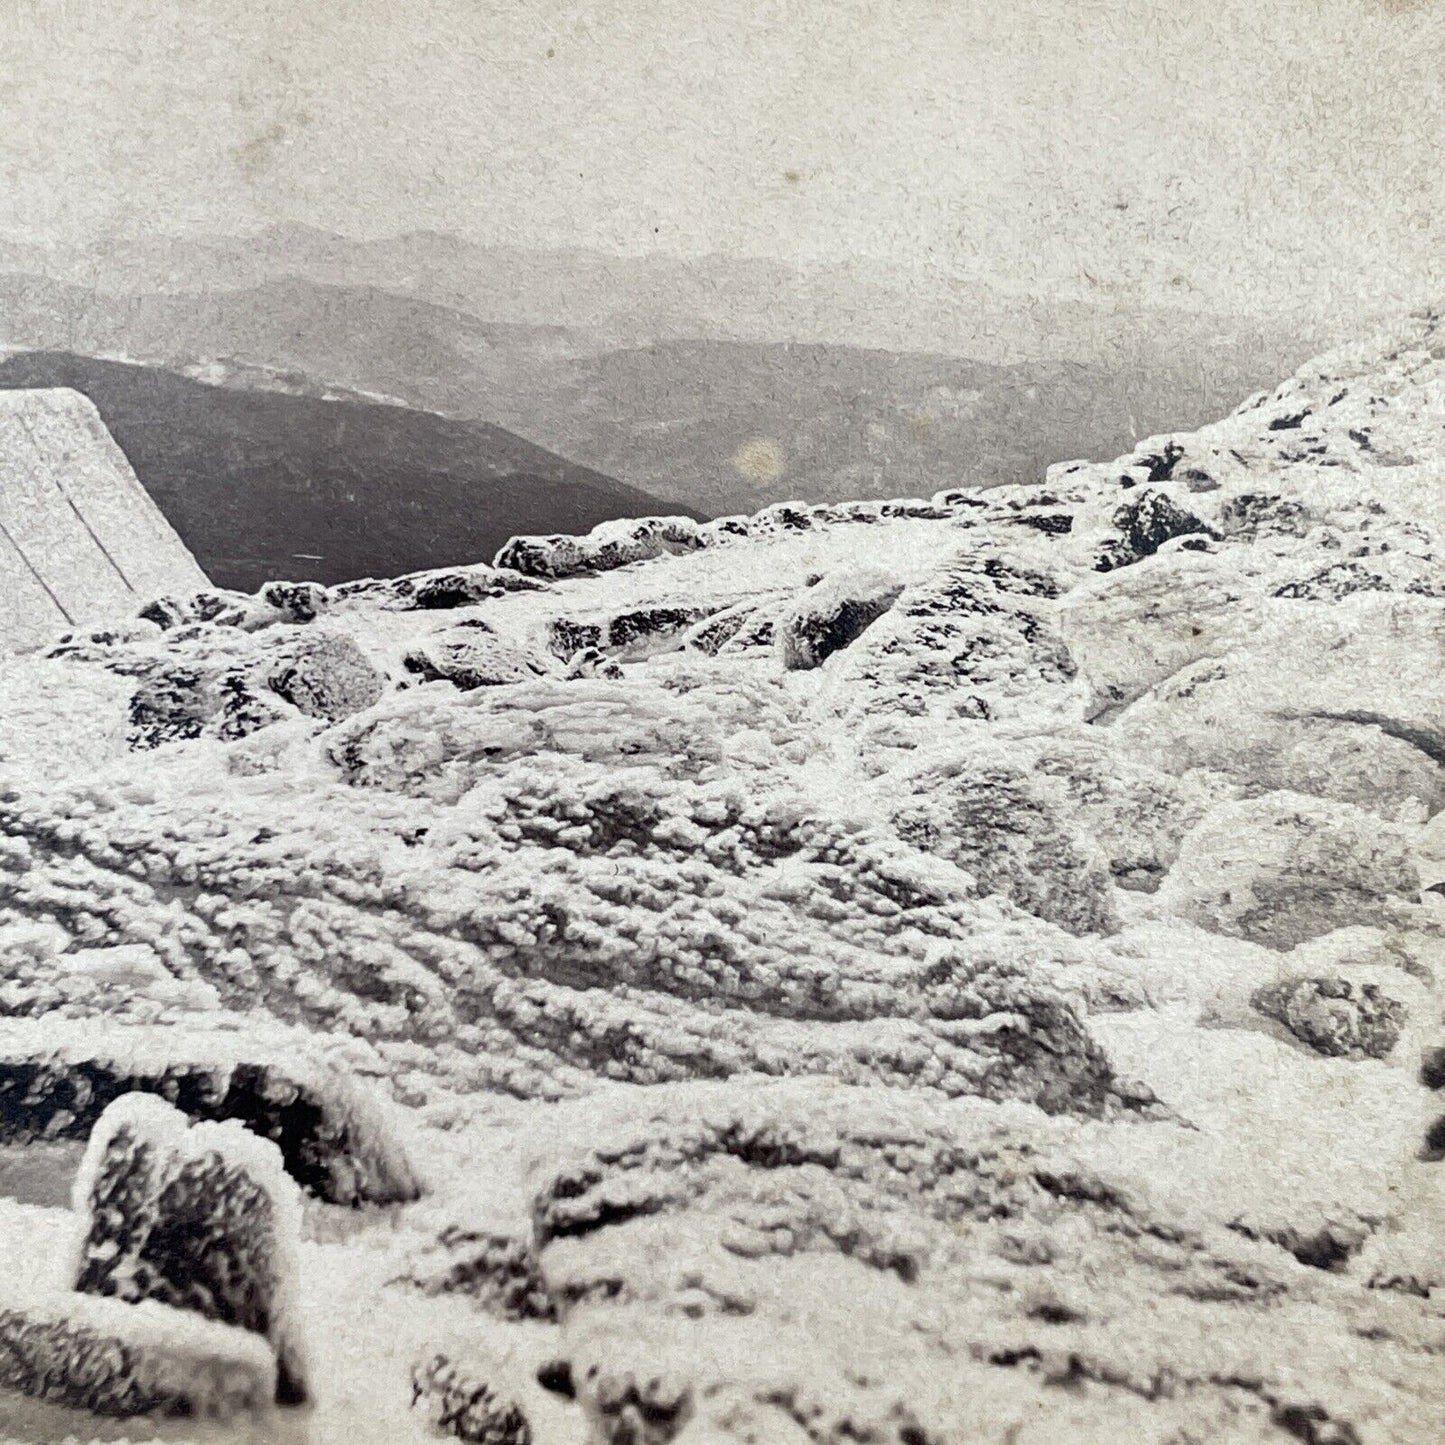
(602, 373)
(635, 299)
(263, 484)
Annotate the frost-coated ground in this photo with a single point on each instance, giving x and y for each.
(933, 972)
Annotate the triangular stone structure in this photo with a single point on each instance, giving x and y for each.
(81, 541)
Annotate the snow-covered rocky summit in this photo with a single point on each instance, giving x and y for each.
(949, 970)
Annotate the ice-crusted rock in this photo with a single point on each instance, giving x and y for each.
(199, 1217)
(1284, 868)
(728, 1269)
(1132, 628)
(498, 1271)
(1009, 829)
(593, 662)
(778, 1084)
(831, 614)
(733, 627)
(474, 656)
(976, 642)
(607, 546)
(442, 589)
(178, 703)
(460, 1404)
(1133, 816)
(226, 609)
(222, 680)
(118, 1359)
(1306, 705)
(633, 634)
(325, 675)
(1143, 524)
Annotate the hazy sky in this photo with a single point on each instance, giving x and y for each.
(1221, 152)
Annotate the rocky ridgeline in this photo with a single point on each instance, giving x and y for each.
(948, 970)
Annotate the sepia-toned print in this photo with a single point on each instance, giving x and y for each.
(722, 724)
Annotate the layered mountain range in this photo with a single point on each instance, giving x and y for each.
(682, 378)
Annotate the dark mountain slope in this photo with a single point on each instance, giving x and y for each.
(260, 483)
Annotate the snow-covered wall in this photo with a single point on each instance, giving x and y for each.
(80, 539)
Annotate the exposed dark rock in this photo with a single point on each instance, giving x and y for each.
(1146, 522)
(1198, 480)
(1432, 1067)
(1334, 1016)
(1161, 464)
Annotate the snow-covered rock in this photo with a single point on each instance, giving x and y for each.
(1283, 868)
(1335, 1016)
(831, 614)
(118, 1359)
(199, 1217)
(474, 656)
(57, 1078)
(608, 545)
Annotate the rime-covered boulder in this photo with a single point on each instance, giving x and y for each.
(1283, 868)
(127, 1359)
(440, 590)
(1335, 1016)
(732, 1265)
(324, 675)
(1010, 829)
(198, 1217)
(831, 614)
(460, 1403)
(225, 678)
(1133, 627)
(498, 1271)
(1306, 702)
(474, 656)
(975, 641)
(1142, 525)
(632, 633)
(607, 546)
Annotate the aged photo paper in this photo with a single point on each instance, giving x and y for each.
(722, 724)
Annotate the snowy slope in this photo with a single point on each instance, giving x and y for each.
(953, 970)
